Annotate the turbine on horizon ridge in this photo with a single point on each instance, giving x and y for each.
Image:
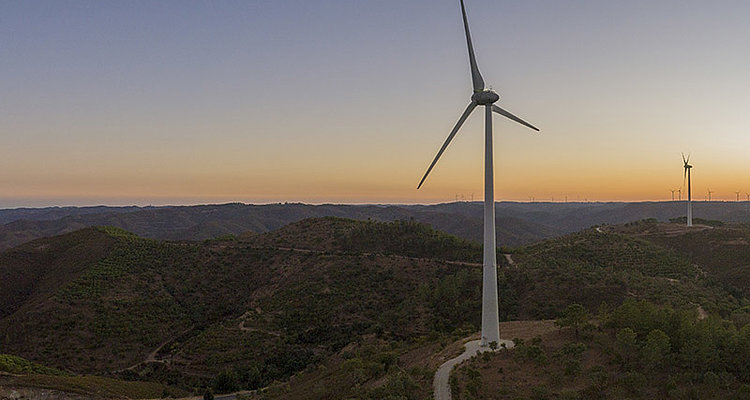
(483, 97)
(685, 176)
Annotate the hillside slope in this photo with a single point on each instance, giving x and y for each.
(225, 304)
(722, 251)
(356, 296)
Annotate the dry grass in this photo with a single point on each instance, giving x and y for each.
(92, 386)
(526, 329)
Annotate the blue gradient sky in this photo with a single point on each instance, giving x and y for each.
(348, 101)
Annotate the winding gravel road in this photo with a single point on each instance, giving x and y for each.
(440, 383)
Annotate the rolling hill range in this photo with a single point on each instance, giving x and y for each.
(359, 307)
(517, 223)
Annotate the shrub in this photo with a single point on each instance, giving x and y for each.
(574, 316)
(598, 377)
(572, 367)
(634, 382)
(225, 382)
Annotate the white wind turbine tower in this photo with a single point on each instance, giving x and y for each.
(686, 175)
(487, 98)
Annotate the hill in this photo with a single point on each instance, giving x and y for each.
(635, 351)
(517, 223)
(609, 265)
(366, 301)
(205, 222)
(721, 250)
(186, 312)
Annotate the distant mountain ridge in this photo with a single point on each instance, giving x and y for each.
(517, 223)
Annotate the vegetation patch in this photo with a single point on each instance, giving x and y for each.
(17, 365)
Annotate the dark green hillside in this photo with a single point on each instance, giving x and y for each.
(596, 266)
(229, 305)
(361, 302)
(32, 272)
(722, 252)
(404, 238)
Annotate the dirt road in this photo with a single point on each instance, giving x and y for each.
(440, 383)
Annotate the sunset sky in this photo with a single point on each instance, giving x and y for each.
(348, 101)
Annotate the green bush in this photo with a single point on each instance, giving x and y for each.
(17, 365)
(225, 382)
(572, 367)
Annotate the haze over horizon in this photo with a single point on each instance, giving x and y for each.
(348, 102)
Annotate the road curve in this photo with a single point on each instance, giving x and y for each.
(440, 384)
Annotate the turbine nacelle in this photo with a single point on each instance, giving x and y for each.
(485, 97)
(686, 161)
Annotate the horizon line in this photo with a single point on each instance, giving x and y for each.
(380, 204)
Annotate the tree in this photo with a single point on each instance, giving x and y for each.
(225, 382)
(574, 316)
(656, 348)
(626, 345)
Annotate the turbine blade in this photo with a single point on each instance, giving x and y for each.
(513, 117)
(460, 122)
(476, 77)
(683, 158)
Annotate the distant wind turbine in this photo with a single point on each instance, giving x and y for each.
(686, 175)
(679, 193)
(738, 195)
(487, 98)
(672, 190)
(709, 194)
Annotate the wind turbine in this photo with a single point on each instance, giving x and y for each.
(487, 98)
(672, 190)
(686, 175)
(709, 194)
(738, 195)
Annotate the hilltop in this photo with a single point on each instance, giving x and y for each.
(357, 297)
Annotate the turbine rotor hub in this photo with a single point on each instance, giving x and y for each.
(485, 97)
